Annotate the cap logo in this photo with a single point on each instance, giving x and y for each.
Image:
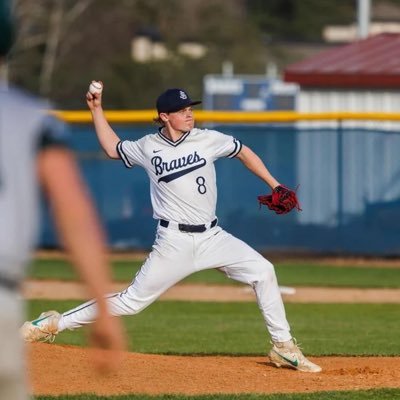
(182, 95)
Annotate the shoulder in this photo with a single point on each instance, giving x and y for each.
(26, 113)
(205, 132)
(53, 132)
(142, 144)
(144, 140)
(151, 137)
(17, 99)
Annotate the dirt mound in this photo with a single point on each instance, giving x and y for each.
(57, 370)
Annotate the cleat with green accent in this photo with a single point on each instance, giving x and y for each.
(289, 354)
(42, 329)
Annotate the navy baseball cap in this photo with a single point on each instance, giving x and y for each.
(174, 100)
(6, 27)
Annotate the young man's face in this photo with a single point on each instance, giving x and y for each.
(181, 120)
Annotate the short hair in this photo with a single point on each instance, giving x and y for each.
(6, 27)
(158, 121)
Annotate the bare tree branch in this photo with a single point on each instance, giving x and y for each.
(79, 8)
(53, 39)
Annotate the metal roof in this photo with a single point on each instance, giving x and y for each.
(369, 63)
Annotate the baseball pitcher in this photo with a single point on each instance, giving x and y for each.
(179, 160)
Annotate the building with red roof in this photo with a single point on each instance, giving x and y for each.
(367, 64)
(345, 170)
(361, 76)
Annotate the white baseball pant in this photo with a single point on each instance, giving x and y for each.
(177, 254)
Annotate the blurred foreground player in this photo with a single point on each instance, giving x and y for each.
(32, 150)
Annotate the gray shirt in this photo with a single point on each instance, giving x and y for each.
(25, 126)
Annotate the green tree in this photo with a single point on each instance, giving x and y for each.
(299, 20)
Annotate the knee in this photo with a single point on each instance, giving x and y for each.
(266, 272)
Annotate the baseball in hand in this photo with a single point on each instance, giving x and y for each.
(95, 87)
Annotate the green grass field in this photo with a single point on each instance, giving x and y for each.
(180, 327)
(288, 274)
(198, 328)
(382, 394)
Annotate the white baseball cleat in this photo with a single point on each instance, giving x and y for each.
(288, 353)
(43, 329)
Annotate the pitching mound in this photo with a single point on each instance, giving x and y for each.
(57, 370)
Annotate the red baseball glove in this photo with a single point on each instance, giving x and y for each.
(282, 200)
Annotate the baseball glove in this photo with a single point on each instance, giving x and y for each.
(282, 200)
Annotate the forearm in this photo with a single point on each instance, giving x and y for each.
(256, 166)
(107, 137)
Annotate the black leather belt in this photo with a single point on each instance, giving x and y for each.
(190, 228)
(8, 283)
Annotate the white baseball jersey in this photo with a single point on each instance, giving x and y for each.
(182, 174)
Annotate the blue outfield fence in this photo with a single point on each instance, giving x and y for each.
(349, 190)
